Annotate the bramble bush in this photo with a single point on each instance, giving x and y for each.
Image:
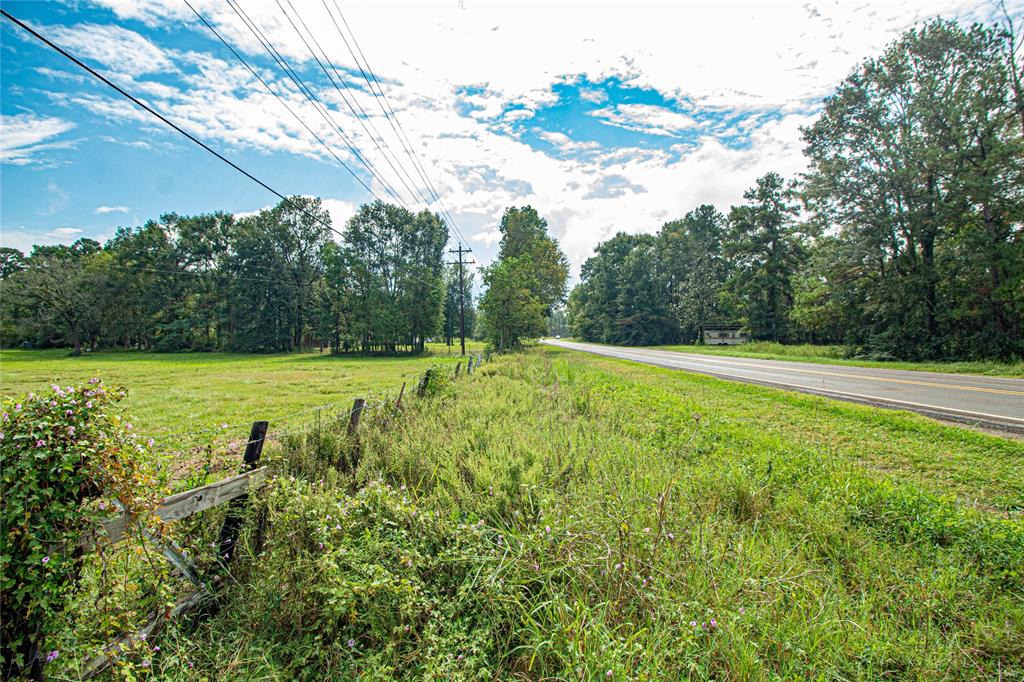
(65, 456)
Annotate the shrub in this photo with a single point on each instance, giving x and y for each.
(63, 453)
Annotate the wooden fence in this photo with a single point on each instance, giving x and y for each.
(233, 491)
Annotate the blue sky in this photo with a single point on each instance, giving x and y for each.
(604, 116)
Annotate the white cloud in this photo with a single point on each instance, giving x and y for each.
(103, 210)
(645, 118)
(24, 136)
(770, 59)
(118, 48)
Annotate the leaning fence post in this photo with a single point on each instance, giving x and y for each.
(353, 417)
(469, 365)
(457, 368)
(425, 382)
(233, 520)
(398, 403)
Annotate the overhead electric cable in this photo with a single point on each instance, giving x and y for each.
(396, 124)
(311, 97)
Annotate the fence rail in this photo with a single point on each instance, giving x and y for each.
(234, 491)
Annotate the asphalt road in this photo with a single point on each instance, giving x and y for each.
(989, 402)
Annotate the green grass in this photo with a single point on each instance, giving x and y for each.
(837, 355)
(186, 392)
(559, 516)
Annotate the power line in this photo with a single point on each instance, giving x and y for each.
(349, 99)
(311, 97)
(392, 119)
(279, 98)
(148, 109)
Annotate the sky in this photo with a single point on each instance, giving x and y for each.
(605, 117)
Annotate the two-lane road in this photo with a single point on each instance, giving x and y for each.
(991, 402)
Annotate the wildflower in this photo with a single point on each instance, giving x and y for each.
(1, 435)
(89, 394)
(647, 530)
(223, 426)
(128, 426)
(609, 673)
(145, 663)
(103, 505)
(53, 403)
(7, 417)
(693, 623)
(351, 643)
(89, 404)
(143, 636)
(644, 583)
(94, 380)
(618, 567)
(40, 443)
(71, 430)
(46, 559)
(68, 412)
(459, 658)
(742, 610)
(714, 623)
(17, 407)
(150, 442)
(547, 529)
(321, 545)
(52, 656)
(156, 648)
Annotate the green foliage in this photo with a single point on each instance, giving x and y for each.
(63, 455)
(525, 283)
(916, 164)
(270, 282)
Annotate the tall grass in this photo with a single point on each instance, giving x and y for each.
(555, 516)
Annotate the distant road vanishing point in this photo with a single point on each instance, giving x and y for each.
(988, 402)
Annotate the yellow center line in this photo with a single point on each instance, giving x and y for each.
(857, 376)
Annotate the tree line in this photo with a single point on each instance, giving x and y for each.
(274, 281)
(903, 239)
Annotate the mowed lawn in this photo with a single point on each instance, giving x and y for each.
(187, 392)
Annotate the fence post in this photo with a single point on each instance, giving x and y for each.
(469, 365)
(353, 417)
(398, 403)
(424, 382)
(233, 520)
(457, 368)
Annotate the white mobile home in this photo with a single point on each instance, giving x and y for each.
(722, 335)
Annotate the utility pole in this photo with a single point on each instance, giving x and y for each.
(462, 293)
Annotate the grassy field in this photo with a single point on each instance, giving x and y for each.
(837, 355)
(188, 392)
(564, 516)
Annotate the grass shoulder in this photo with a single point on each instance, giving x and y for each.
(835, 355)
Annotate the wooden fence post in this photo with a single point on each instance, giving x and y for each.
(425, 382)
(353, 417)
(469, 365)
(398, 403)
(233, 520)
(457, 368)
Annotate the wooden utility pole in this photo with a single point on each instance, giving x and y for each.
(462, 294)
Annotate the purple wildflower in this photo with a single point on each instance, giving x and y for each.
(693, 623)
(71, 430)
(52, 656)
(17, 407)
(609, 673)
(145, 663)
(68, 412)
(46, 559)
(742, 610)
(351, 643)
(88, 404)
(40, 443)
(714, 623)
